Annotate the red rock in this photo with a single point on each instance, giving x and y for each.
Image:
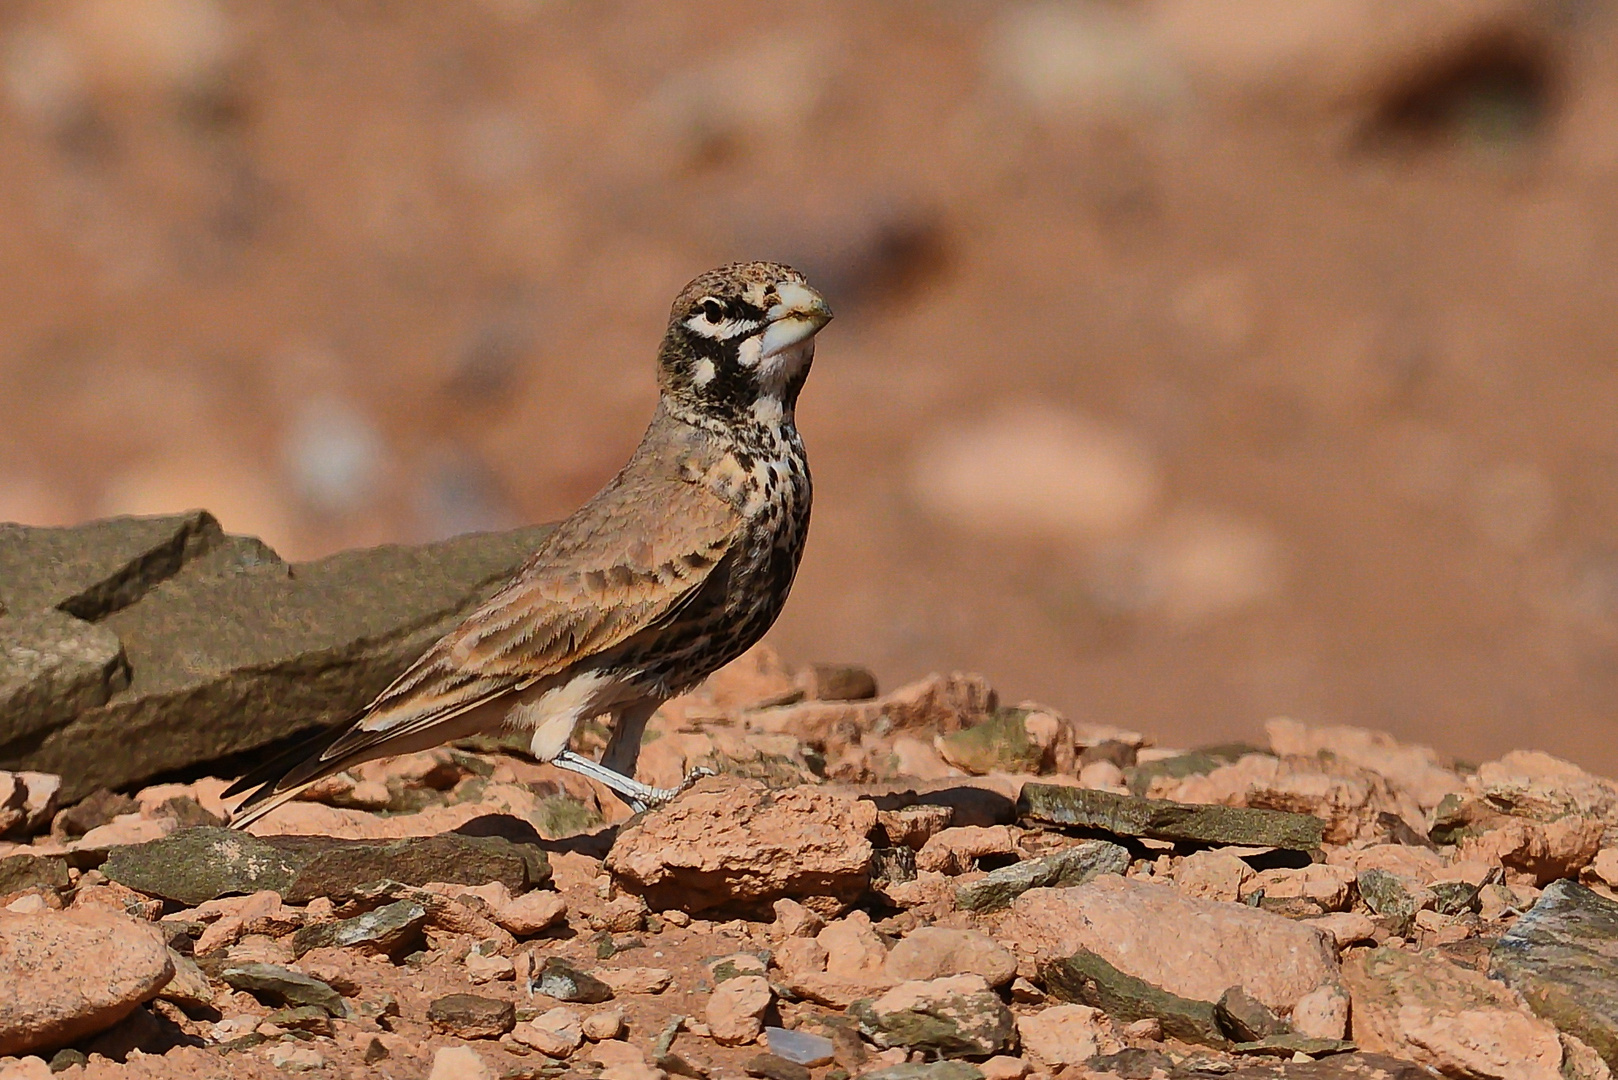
(1415, 770)
(933, 952)
(736, 1008)
(1329, 886)
(1195, 948)
(521, 916)
(1063, 1034)
(1453, 1020)
(53, 995)
(635, 980)
(792, 919)
(853, 949)
(1212, 875)
(955, 851)
(556, 1033)
(1345, 927)
(606, 1024)
(732, 842)
(913, 826)
(459, 1063)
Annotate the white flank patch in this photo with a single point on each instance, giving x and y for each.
(553, 715)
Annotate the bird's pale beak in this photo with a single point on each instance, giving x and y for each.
(798, 316)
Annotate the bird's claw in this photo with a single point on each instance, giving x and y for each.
(657, 798)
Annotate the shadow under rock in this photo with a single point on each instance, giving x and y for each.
(518, 831)
(972, 805)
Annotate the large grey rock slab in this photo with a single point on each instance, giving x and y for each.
(1162, 819)
(92, 570)
(284, 986)
(227, 648)
(1562, 956)
(200, 864)
(53, 667)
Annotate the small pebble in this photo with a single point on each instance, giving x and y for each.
(607, 1024)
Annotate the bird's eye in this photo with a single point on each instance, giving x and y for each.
(713, 310)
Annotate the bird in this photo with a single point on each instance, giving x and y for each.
(673, 569)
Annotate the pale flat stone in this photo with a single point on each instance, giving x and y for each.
(1193, 948)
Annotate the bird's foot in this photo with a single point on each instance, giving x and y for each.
(639, 797)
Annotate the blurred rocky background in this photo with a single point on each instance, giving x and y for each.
(1197, 361)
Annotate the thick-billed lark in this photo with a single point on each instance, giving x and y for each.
(673, 569)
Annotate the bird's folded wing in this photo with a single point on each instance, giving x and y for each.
(606, 574)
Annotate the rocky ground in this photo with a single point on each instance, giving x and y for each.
(922, 885)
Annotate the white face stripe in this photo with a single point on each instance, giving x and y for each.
(703, 373)
(724, 329)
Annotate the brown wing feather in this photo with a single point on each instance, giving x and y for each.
(605, 574)
(627, 559)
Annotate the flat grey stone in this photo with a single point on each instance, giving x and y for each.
(1562, 956)
(191, 866)
(392, 930)
(229, 649)
(282, 986)
(1074, 866)
(800, 1047)
(1161, 819)
(564, 982)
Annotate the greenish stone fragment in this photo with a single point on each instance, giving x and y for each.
(998, 744)
(1162, 819)
(1197, 762)
(1074, 866)
(19, 872)
(283, 986)
(946, 1024)
(191, 866)
(391, 930)
(1562, 956)
(1387, 896)
(1090, 980)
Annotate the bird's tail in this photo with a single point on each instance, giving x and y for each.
(285, 775)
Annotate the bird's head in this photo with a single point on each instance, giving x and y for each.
(740, 341)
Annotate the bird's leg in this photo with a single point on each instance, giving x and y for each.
(639, 796)
(628, 729)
